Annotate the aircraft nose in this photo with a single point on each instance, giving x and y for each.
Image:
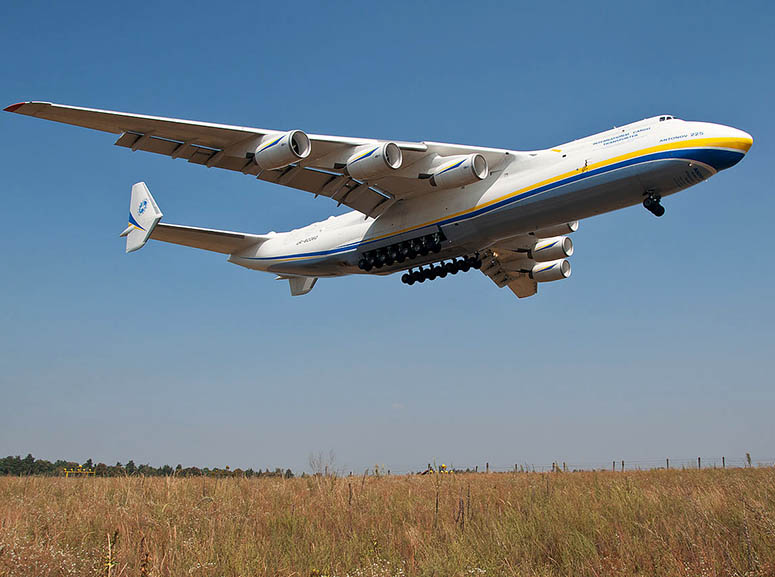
(742, 138)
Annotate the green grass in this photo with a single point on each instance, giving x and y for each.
(688, 523)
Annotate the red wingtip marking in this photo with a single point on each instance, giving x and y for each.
(13, 107)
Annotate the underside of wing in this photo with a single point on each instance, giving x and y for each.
(367, 175)
(521, 263)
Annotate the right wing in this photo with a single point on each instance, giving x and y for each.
(232, 147)
(517, 262)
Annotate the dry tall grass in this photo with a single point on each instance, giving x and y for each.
(688, 523)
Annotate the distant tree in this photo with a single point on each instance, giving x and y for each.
(130, 467)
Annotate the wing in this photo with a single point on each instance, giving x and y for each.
(519, 261)
(322, 172)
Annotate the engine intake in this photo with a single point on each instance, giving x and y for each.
(550, 271)
(279, 150)
(459, 171)
(548, 249)
(374, 161)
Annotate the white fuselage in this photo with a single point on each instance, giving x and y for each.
(534, 190)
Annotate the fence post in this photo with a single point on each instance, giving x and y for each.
(622, 465)
(699, 464)
(723, 462)
(667, 463)
(613, 466)
(488, 466)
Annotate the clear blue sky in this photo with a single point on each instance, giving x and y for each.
(660, 344)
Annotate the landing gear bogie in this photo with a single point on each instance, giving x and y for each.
(402, 251)
(442, 269)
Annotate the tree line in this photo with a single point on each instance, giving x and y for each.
(29, 465)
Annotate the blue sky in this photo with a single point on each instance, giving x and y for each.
(660, 344)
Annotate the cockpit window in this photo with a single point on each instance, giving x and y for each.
(663, 118)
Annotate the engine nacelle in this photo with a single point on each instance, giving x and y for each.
(547, 249)
(374, 161)
(549, 271)
(559, 229)
(279, 150)
(461, 170)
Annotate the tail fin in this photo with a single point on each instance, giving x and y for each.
(144, 215)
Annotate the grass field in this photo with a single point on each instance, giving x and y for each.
(688, 523)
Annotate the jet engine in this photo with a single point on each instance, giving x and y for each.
(374, 161)
(547, 249)
(459, 171)
(549, 271)
(279, 150)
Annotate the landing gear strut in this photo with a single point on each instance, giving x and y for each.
(651, 203)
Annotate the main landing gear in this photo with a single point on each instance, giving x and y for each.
(442, 269)
(651, 203)
(407, 250)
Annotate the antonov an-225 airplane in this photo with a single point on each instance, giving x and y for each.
(427, 208)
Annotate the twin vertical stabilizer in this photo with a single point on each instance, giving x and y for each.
(144, 215)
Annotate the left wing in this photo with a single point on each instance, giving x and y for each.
(322, 171)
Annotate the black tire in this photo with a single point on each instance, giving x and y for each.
(658, 210)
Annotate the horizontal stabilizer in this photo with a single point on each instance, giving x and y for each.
(144, 217)
(222, 241)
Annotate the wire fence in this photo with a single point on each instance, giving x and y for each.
(700, 462)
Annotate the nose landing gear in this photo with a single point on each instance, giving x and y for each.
(652, 204)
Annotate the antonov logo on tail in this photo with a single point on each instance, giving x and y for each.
(426, 209)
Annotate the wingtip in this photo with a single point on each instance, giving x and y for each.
(13, 107)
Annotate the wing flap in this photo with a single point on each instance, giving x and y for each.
(501, 265)
(222, 241)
